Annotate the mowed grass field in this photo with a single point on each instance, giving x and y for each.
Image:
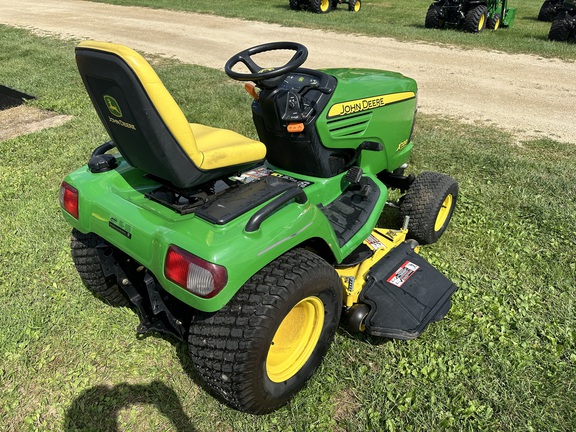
(504, 358)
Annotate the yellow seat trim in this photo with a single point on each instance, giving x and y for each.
(209, 148)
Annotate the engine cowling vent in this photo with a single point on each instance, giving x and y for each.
(349, 125)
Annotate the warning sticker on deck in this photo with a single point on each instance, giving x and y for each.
(405, 272)
(374, 242)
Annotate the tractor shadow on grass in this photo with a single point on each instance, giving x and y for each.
(98, 408)
(186, 364)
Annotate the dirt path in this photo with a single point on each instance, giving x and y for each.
(525, 94)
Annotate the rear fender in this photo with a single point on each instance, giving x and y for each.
(116, 210)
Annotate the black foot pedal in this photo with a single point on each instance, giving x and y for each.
(366, 190)
(354, 175)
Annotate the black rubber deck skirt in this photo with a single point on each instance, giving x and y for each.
(405, 293)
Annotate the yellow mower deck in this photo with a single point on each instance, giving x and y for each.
(394, 292)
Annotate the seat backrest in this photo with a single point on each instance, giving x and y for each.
(146, 124)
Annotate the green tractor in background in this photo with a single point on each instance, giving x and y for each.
(472, 16)
(324, 6)
(564, 24)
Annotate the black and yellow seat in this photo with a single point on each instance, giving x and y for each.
(147, 125)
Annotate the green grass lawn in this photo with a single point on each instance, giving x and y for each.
(504, 358)
(400, 19)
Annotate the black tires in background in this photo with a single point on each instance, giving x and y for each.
(476, 19)
(563, 27)
(434, 17)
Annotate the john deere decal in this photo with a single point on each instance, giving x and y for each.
(113, 106)
(359, 105)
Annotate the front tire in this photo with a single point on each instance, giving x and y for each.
(475, 20)
(84, 248)
(547, 11)
(494, 22)
(434, 17)
(320, 6)
(561, 28)
(354, 5)
(295, 5)
(429, 203)
(264, 345)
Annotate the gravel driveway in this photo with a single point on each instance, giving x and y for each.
(525, 94)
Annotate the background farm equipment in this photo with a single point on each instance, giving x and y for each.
(564, 24)
(549, 9)
(470, 15)
(324, 6)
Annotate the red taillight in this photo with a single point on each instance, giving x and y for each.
(69, 199)
(194, 274)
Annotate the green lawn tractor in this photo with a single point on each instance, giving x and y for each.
(253, 252)
(324, 6)
(549, 9)
(564, 24)
(472, 16)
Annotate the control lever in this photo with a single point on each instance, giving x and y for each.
(305, 89)
(365, 145)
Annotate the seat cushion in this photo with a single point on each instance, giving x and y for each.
(221, 147)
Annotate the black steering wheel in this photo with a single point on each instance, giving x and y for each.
(266, 77)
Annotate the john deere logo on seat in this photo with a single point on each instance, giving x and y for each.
(113, 106)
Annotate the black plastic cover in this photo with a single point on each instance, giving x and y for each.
(405, 293)
(301, 152)
(102, 163)
(237, 201)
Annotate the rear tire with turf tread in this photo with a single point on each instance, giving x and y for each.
(87, 263)
(430, 203)
(237, 350)
(475, 20)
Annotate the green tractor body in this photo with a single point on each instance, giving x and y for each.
(265, 254)
(119, 205)
(471, 15)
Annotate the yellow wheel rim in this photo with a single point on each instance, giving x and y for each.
(444, 212)
(357, 6)
(481, 22)
(324, 5)
(497, 24)
(295, 339)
